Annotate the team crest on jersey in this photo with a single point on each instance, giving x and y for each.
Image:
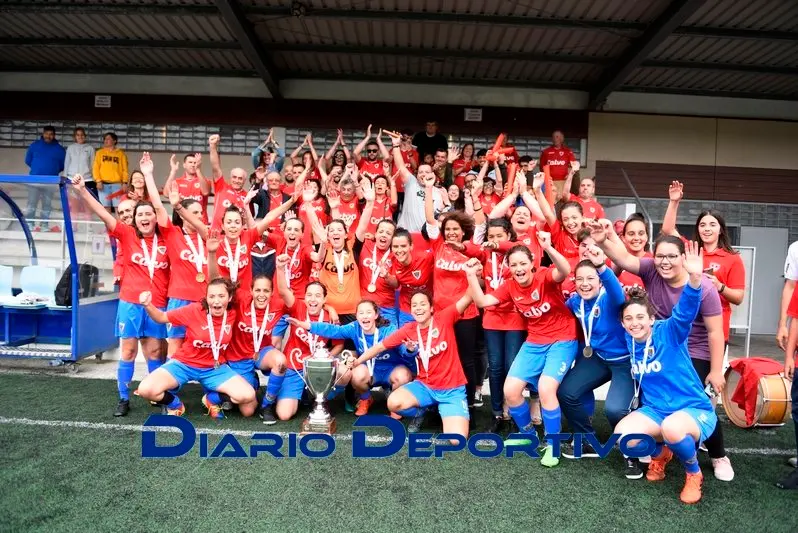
(535, 295)
(435, 333)
(162, 250)
(650, 352)
(416, 274)
(714, 266)
(197, 185)
(561, 153)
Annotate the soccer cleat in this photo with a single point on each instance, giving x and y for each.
(790, 482)
(656, 469)
(691, 493)
(569, 452)
(497, 425)
(178, 411)
(548, 458)
(267, 415)
(633, 470)
(723, 469)
(363, 406)
(214, 411)
(122, 408)
(350, 399)
(414, 426)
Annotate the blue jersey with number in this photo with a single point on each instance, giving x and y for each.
(666, 376)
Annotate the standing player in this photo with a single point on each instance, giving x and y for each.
(411, 270)
(559, 158)
(675, 410)
(225, 194)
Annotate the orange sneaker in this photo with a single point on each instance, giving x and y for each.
(214, 411)
(363, 406)
(656, 469)
(691, 493)
(181, 409)
(396, 416)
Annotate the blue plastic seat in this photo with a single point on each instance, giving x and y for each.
(6, 282)
(40, 280)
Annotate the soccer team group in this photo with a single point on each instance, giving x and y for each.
(411, 269)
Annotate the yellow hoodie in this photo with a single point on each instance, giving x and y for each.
(110, 166)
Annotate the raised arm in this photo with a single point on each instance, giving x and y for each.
(212, 246)
(675, 195)
(500, 210)
(334, 147)
(429, 204)
(686, 309)
(362, 144)
(275, 214)
(463, 303)
(545, 208)
(599, 230)
(365, 216)
(282, 284)
(404, 172)
(609, 280)
(557, 259)
(472, 269)
(147, 167)
(386, 155)
(145, 299)
(92, 203)
(174, 168)
(216, 161)
(185, 214)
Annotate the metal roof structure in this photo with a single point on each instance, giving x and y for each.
(738, 48)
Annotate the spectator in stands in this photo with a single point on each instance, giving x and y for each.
(429, 141)
(44, 157)
(192, 185)
(80, 159)
(558, 157)
(110, 171)
(587, 194)
(790, 277)
(269, 155)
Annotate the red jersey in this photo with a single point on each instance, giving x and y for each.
(319, 206)
(298, 345)
(792, 308)
(186, 251)
(407, 157)
(590, 208)
(563, 242)
(371, 169)
(502, 317)
(288, 188)
(350, 214)
(301, 264)
(548, 319)
(196, 349)
(275, 201)
(190, 187)
(443, 370)
(730, 271)
(382, 210)
(370, 259)
(629, 280)
(449, 282)
(136, 272)
(248, 330)
(226, 256)
(416, 275)
(568, 286)
(488, 202)
(532, 244)
(559, 161)
(119, 260)
(225, 196)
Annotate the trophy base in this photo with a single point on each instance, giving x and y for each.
(318, 427)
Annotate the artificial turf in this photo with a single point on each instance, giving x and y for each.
(94, 479)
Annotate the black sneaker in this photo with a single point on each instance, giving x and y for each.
(497, 425)
(122, 408)
(267, 415)
(414, 426)
(569, 452)
(633, 470)
(790, 482)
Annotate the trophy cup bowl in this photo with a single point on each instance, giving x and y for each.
(319, 373)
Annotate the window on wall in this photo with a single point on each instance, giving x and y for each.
(138, 137)
(324, 139)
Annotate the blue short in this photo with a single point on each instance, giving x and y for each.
(280, 327)
(293, 386)
(246, 369)
(133, 322)
(450, 402)
(209, 378)
(552, 360)
(706, 419)
(261, 356)
(390, 314)
(382, 374)
(176, 332)
(108, 190)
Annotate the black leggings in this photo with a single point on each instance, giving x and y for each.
(465, 333)
(714, 443)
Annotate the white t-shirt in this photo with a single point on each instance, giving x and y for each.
(791, 263)
(412, 217)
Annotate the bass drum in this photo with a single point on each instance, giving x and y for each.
(772, 401)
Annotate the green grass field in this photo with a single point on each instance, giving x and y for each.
(92, 478)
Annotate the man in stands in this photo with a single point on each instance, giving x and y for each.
(429, 141)
(370, 166)
(44, 157)
(587, 194)
(559, 158)
(191, 184)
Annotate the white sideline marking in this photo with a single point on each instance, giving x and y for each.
(239, 433)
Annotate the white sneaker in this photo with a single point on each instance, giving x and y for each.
(723, 469)
(702, 448)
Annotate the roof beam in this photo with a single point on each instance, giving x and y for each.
(120, 43)
(727, 67)
(124, 71)
(736, 33)
(434, 53)
(241, 28)
(714, 94)
(638, 50)
(391, 78)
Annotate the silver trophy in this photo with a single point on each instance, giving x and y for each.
(319, 376)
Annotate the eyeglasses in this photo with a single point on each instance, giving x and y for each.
(371, 151)
(670, 257)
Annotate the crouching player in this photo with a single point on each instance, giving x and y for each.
(201, 357)
(389, 370)
(440, 380)
(675, 409)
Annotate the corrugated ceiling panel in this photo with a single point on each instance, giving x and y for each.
(713, 80)
(748, 14)
(717, 50)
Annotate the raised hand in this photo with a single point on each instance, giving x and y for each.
(212, 243)
(410, 346)
(575, 166)
(333, 199)
(282, 260)
(429, 181)
(146, 165)
(270, 138)
(174, 195)
(174, 165)
(198, 157)
(307, 194)
(693, 259)
(145, 298)
(456, 245)
(597, 231)
(490, 245)
(538, 181)
(396, 138)
(78, 183)
(252, 193)
(213, 140)
(596, 256)
(260, 174)
(533, 164)
(675, 191)
(368, 131)
(544, 238)
(453, 154)
(472, 267)
(368, 190)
